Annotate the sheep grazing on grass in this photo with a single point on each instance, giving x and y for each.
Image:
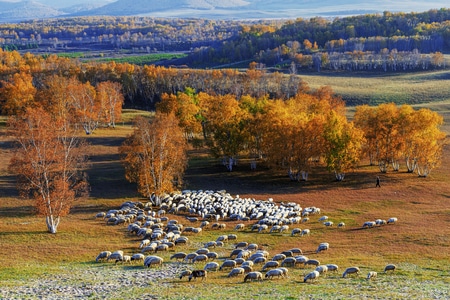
(138, 257)
(100, 215)
(211, 244)
(324, 218)
(235, 252)
(104, 255)
(278, 257)
(222, 238)
(185, 273)
(296, 231)
(149, 248)
(332, 268)
(301, 259)
(323, 247)
(322, 269)
(239, 227)
(305, 232)
(212, 255)
(341, 225)
(153, 261)
(252, 276)
(202, 251)
(198, 273)
(285, 271)
(117, 255)
(371, 275)
(288, 253)
(190, 257)
(162, 247)
(211, 266)
(312, 262)
(275, 272)
(241, 245)
(289, 261)
(200, 257)
(144, 243)
(228, 264)
(178, 256)
(232, 237)
(125, 259)
(328, 223)
(181, 240)
(236, 272)
(351, 270)
(390, 267)
(312, 276)
(252, 247)
(392, 220)
(270, 264)
(259, 260)
(245, 254)
(305, 219)
(369, 224)
(296, 251)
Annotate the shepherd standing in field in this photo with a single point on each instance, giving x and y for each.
(378, 182)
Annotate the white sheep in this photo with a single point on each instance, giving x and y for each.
(312, 262)
(322, 269)
(274, 272)
(279, 257)
(229, 264)
(253, 276)
(116, 255)
(296, 231)
(152, 260)
(392, 220)
(190, 257)
(332, 267)
(328, 223)
(104, 255)
(312, 276)
(323, 247)
(144, 243)
(125, 259)
(324, 218)
(241, 245)
(202, 251)
(305, 232)
(289, 261)
(341, 225)
(200, 257)
(270, 264)
(236, 272)
(212, 255)
(371, 275)
(211, 266)
(178, 255)
(239, 227)
(351, 270)
(138, 257)
(369, 224)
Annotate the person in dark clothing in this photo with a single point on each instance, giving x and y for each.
(378, 182)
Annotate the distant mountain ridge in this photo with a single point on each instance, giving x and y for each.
(13, 10)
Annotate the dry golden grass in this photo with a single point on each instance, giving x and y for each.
(419, 243)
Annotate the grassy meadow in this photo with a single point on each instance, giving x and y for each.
(418, 244)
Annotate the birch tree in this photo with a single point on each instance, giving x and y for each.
(48, 160)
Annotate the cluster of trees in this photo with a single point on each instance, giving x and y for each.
(143, 34)
(426, 32)
(307, 129)
(46, 124)
(142, 86)
(395, 134)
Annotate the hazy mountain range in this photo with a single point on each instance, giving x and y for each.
(14, 10)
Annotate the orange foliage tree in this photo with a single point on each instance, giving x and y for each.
(154, 155)
(110, 99)
(17, 94)
(48, 160)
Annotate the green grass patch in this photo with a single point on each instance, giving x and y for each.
(144, 59)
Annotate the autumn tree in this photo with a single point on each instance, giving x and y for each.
(48, 160)
(154, 155)
(17, 94)
(110, 99)
(343, 146)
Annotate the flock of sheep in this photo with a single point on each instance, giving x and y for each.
(209, 210)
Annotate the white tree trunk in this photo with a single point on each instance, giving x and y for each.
(52, 224)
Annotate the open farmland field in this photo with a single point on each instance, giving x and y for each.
(400, 88)
(36, 264)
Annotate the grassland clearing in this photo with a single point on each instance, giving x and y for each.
(419, 244)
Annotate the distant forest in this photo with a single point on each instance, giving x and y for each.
(371, 42)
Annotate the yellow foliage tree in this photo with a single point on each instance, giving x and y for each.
(154, 156)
